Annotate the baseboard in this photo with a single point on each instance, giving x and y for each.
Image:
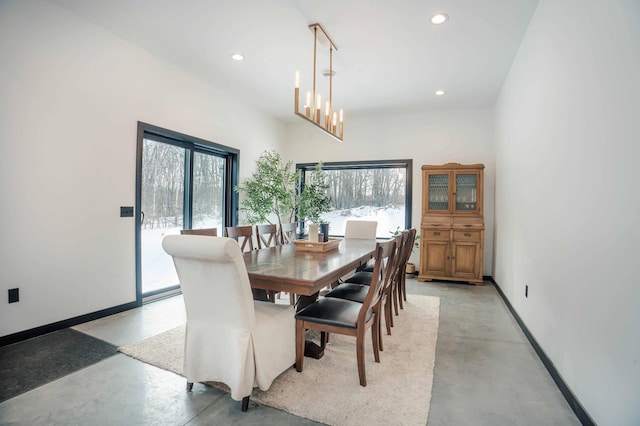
(48, 328)
(575, 405)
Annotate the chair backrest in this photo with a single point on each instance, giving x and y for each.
(242, 234)
(214, 280)
(267, 236)
(361, 229)
(408, 247)
(210, 232)
(288, 232)
(384, 257)
(395, 272)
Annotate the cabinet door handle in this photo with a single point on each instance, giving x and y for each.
(468, 226)
(436, 233)
(466, 234)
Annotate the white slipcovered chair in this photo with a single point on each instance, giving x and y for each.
(361, 229)
(230, 338)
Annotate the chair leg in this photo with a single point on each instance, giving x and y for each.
(388, 318)
(400, 293)
(245, 403)
(360, 355)
(189, 386)
(377, 336)
(404, 287)
(378, 327)
(299, 344)
(396, 289)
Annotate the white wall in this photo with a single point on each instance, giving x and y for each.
(427, 137)
(71, 95)
(567, 199)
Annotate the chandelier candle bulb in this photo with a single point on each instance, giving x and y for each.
(327, 114)
(318, 107)
(297, 79)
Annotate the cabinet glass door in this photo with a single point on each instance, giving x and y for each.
(438, 186)
(466, 192)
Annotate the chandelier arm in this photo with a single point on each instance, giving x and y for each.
(330, 112)
(315, 55)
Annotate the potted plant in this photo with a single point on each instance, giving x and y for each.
(271, 191)
(315, 200)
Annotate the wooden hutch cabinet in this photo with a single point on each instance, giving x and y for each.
(452, 226)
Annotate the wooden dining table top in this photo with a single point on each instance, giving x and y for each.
(285, 268)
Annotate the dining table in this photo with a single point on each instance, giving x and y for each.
(291, 269)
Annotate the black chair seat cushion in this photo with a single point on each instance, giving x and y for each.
(368, 268)
(333, 311)
(347, 291)
(360, 278)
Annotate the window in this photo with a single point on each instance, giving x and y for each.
(367, 190)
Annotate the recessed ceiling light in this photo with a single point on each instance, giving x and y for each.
(439, 18)
(440, 92)
(237, 57)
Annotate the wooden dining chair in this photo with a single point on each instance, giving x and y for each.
(231, 339)
(358, 292)
(242, 234)
(361, 229)
(341, 316)
(267, 236)
(210, 232)
(402, 285)
(288, 232)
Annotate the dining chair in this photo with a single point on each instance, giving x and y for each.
(341, 316)
(361, 229)
(358, 292)
(267, 235)
(230, 338)
(402, 286)
(399, 283)
(242, 234)
(210, 232)
(288, 232)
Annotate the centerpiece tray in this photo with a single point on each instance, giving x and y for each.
(320, 247)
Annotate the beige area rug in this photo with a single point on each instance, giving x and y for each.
(398, 389)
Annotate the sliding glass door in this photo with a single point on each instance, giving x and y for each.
(183, 183)
(162, 204)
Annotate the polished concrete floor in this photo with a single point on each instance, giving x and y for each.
(486, 373)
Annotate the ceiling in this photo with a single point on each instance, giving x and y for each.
(390, 57)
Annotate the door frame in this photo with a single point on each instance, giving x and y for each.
(192, 144)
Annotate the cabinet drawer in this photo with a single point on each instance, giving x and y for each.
(463, 235)
(436, 234)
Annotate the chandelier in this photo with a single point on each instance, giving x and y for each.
(332, 123)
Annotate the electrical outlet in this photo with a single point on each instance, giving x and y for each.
(14, 295)
(526, 291)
